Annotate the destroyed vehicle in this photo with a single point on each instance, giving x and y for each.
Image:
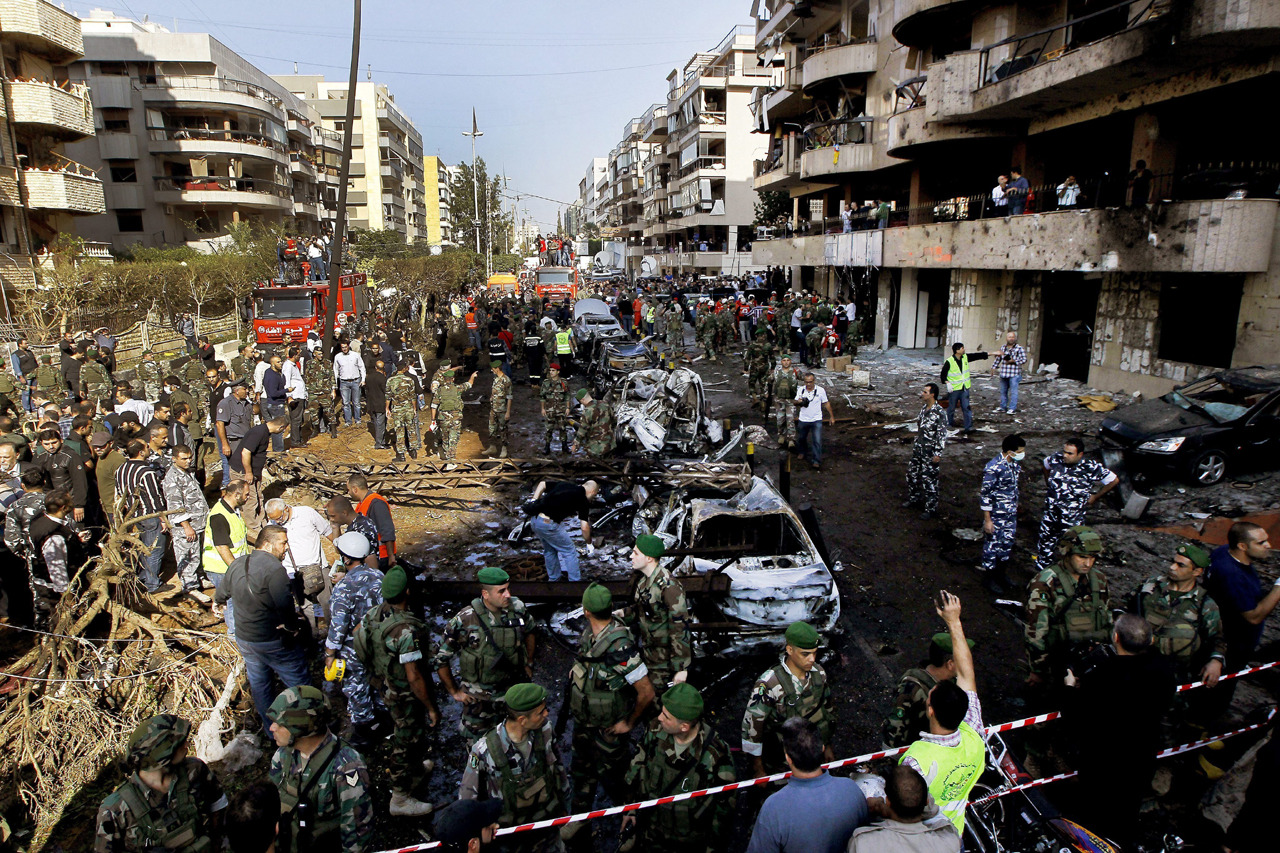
(660, 409)
(776, 572)
(609, 361)
(592, 319)
(1221, 422)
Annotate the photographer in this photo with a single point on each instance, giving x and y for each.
(810, 401)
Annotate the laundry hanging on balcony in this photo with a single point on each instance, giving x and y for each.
(199, 167)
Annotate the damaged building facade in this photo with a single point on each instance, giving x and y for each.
(1125, 284)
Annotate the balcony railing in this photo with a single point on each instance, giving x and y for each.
(843, 131)
(706, 161)
(209, 183)
(186, 134)
(55, 27)
(212, 84)
(62, 109)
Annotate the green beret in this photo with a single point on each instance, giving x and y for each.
(448, 371)
(943, 641)
(582, 392)
(394, 583)
(493, 576)
(497, 362)
(684, 702)
(650, 546)
(525, 697)
(802, 635)
(597, 599)
(1198, 556)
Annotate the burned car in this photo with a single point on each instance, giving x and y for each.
(609, 361)
(592, 319)
(1202, 429)
(661, 409)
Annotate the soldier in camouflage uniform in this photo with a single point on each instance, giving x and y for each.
(325, 802)
(909, 717)
(1069, 482)
(758, 361)
(675, 330)
(357, 590)
(659, 614)
(501, 396)
(1068, 608)
(446, 410)
(998, 500)
(796, 687)
(242, 365)
(596, 427)
(784, 382)
(402, 412)
(813, 345)
(705, 331)
(48, 380)
(679, 754)
(926, 454)
(1186, 622)
(169, 802)
(609, 691)
(95, 378)
(194, 375)
(493, 640)
(554, 398)
(321, 387)
(724, 327)
(149, 377)
(393, 643)
(516, 761)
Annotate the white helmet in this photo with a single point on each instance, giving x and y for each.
(352, 545)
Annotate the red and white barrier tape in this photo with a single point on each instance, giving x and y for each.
(860, 759)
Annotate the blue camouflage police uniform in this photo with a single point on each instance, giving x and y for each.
(999, 496)
(1067, 497)
(354, 596)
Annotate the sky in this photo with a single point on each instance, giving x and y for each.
(552, 83)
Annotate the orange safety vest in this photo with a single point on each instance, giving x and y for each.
(471, 320)
(290, 248)
(363, 508)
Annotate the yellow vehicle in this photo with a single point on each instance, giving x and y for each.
(505, 282)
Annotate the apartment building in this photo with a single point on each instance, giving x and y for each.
(44, 190)
(591, 203)
(387, 188)
(438, 198)
(1127, 277)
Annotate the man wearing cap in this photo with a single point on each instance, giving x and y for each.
(909, 716)
(679, 754)
(609, 691)
(169, 802)
(1069, 478)
(552, 506)
(595, 433)
(357, 590)
(554, 400)
(446, 410)
(516, 764)
(493, 640)
(659, 614)
(325, 804)
(1068, 607)
(94, 376)
(501, 398)
(467, 826)
(393, 642)
(402, 412)
(1186, 622)
(796, 687)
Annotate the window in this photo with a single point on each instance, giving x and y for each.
(129, 221)
(113, 69)
(115, 120)
(1198, 318)
(124, 174)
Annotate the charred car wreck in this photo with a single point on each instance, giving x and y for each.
(659, 409)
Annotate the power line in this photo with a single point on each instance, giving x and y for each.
(455, 75)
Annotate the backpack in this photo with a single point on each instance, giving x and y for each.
(369, 641)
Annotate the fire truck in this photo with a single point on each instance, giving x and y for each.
(300, 309)
(556, 283)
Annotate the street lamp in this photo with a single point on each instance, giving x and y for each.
(475, 186)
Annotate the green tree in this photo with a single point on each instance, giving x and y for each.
(492, 223)
(771, 206)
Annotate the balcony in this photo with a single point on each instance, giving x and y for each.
(394, 145)
(655, 124)
(393, 171)
(42, 28)
(830, 63)
(10, 194)
(857, 249)
(76, 190)
(198, 141)
(306, 210)
(299, 129)
(63, 113)
(301, 164)
(847, 158)
(330, 139)
(117, 146)
(212, 91)
(239, 192)
(390, 115)
(706, 163)
(917, 22)
(782, 168)
(913, 131)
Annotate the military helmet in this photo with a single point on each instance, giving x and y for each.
(156, 740)
(1081, 540)
(301, 711)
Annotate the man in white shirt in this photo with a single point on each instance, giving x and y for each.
(348, 369)
(811, 400)
(126, 403)
(259, 370)
(296, 388)
(304, 558)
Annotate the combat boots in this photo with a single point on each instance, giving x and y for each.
(491, 450)
(403, 805)
(503, 454)
(413, 453)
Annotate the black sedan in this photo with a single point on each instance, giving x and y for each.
(1223, 421)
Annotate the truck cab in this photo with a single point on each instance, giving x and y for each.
(301, 309)
(556, 283)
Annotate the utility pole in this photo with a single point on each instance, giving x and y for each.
(340, 226)
(475, 186)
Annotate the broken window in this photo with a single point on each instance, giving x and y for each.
(1198, 318)
(749, 535)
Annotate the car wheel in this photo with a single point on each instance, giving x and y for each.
(1208, 468)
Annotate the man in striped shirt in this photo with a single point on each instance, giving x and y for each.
(139, 483)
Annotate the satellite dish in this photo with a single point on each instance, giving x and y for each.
(649, 265)
(436, 249)
(602, 259)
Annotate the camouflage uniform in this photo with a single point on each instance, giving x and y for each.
(402, 399)
(530, 786)
(320, 384)
(705, 331)
(813, 345)
(757, 361)
(784, 383)
(777, 697)
(148, 376)
(1066, 499)
(724, 328)
(492, 657)
(675, 330)
(1064, 617)
(999, 496)
(659, 617)
(359, 591)
(240, 368)
(96, 380)
(555, 398)
(341, 806)
(405, 639)
(1187, 625)
(48, 381)
(498, 397)
(596, 430)
(193, 373)
(17, 522)
(660, 768)
(922, 471)
(908, 718)
(600, 695)
(137, 818)
(446, 396)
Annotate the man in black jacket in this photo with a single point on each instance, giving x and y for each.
(375, 396)
(267, 623)
(64, 469)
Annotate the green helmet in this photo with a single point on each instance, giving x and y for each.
(155, 741)
(1081, 540)
(301, 711)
